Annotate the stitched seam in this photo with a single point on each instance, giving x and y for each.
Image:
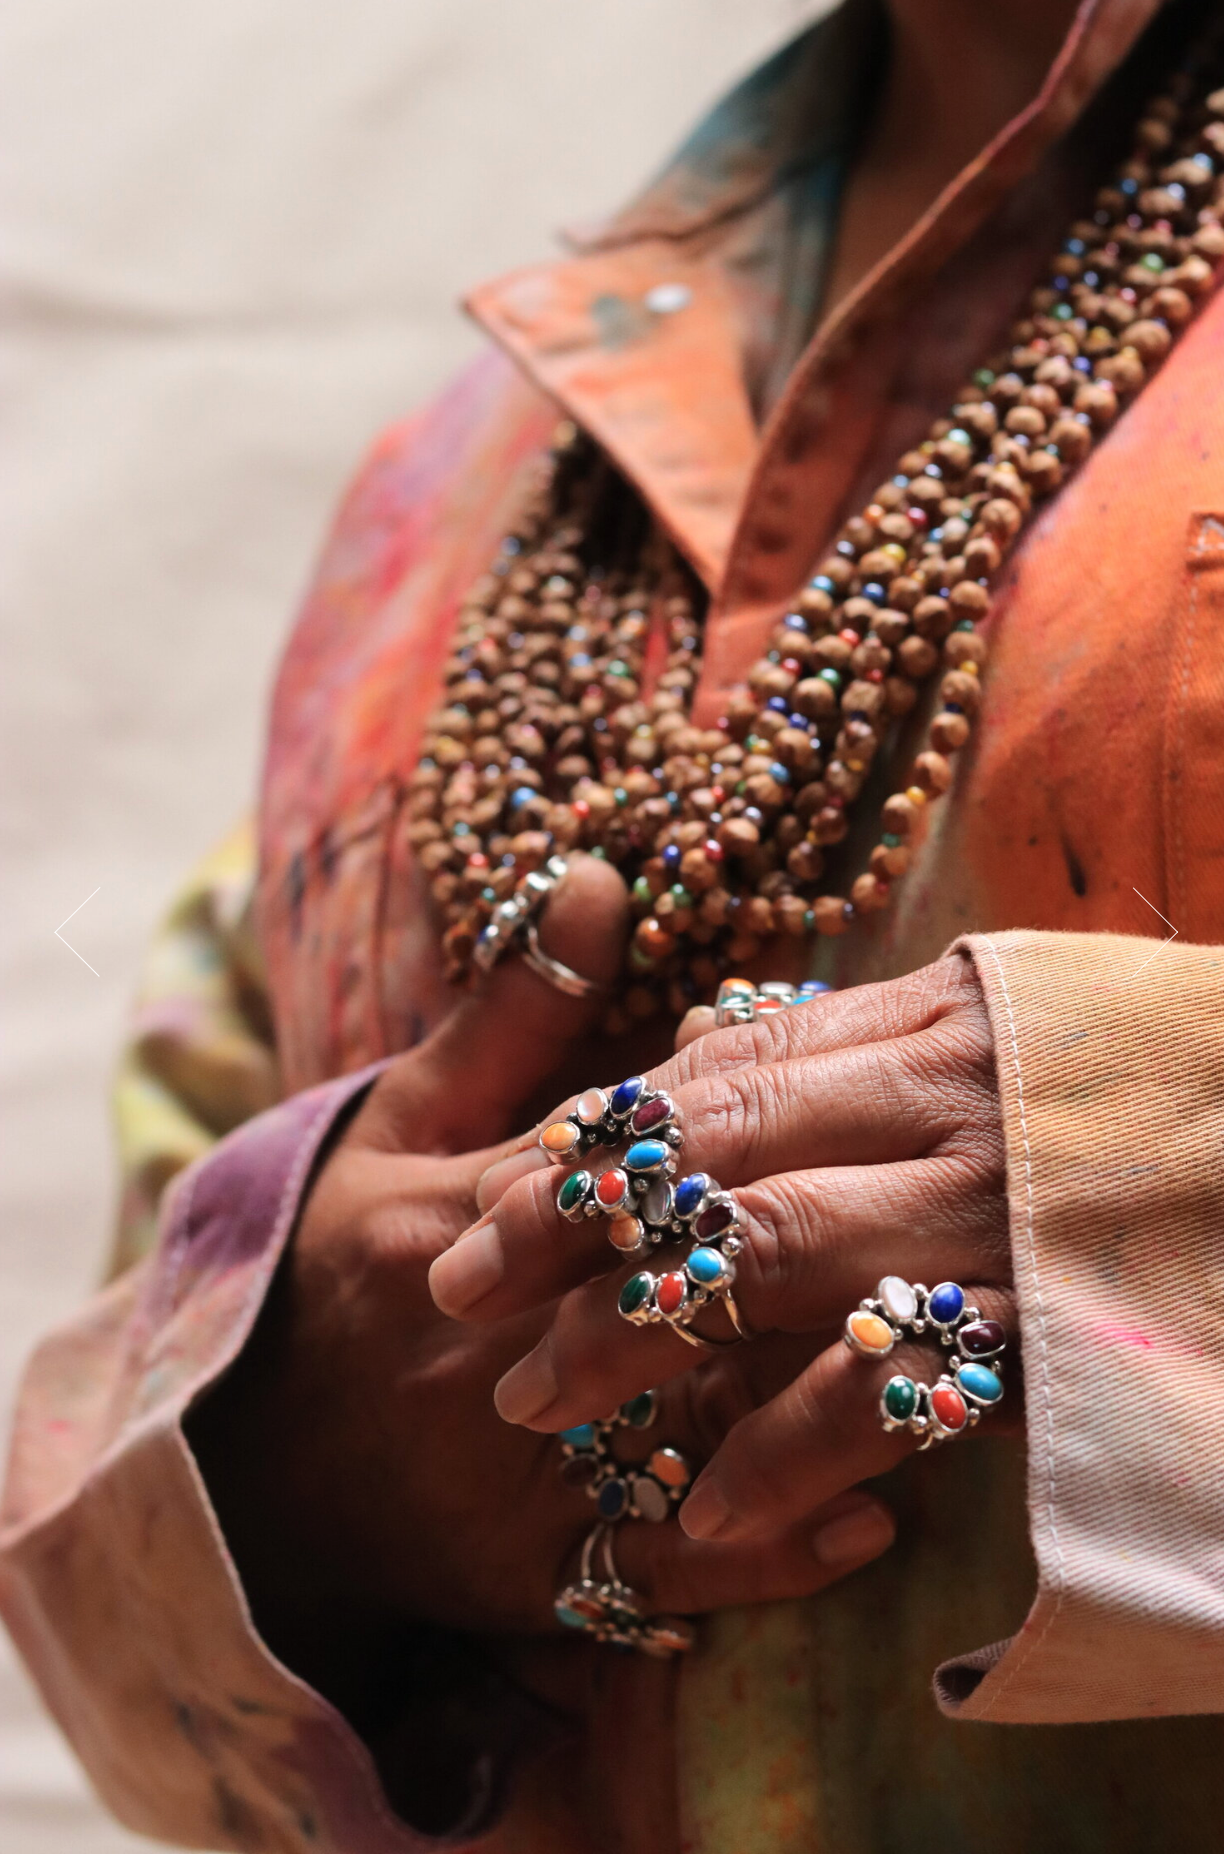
(1179, 758)
(1030, 1648)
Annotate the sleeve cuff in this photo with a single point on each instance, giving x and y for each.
(1110, 1062)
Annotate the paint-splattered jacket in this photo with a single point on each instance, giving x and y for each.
(1094, 797)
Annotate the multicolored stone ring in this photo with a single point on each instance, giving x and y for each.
(649, 1491)
(645, 1208)
(973, 1381)
(739, 1002)
(610, 1611)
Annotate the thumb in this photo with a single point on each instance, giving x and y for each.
(461, 1086)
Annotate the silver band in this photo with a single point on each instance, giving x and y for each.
(972, 1383)
(561, 977)
(740, 1002)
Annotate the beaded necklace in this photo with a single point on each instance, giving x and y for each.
(566, 724)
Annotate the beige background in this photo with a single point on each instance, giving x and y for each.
(230, 240)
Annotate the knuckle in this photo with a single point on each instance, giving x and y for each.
(785, 1238)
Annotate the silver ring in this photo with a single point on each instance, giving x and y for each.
(971, 1386)
(740, 1002)
(610, 1611)
(561, 977)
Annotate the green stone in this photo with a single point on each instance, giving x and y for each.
(639, 1411)
(900, 1399)
(830, 676)
(983, 377)
(1151, 261)
(574, 1190)
(620, 795)
(1062, 312)
(635, 1293)
(681, 896)
(642, 892)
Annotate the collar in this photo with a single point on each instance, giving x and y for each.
(636, 337)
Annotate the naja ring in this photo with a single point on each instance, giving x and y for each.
(676, 1297)
(610, 1611)
(971, 1385)
(561, 977)
(740, 1002)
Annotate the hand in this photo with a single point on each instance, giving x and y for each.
(863, 1137)
(361, 1473)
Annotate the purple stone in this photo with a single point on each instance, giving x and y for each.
(579, 1470)
(652, 1114)
(982, 1338)
(714, 1221)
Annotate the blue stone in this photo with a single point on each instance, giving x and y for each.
(874, 591)
(646, 1155)
(613, 1499)
(780, 772)
(946, 1303)
(523, 795)
(690, 1194)
(582, 1435)
(671, 858)
(980, 1383)
(624, 1098)
(812, 988)
(777, 703)
(823, 583)
(706, 1267)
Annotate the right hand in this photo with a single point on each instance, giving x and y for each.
(360, 1470)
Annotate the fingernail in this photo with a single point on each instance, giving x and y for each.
(706, 1511)
(499, 1177)
(467, 1272)
(854, 1537)
(527, 1388)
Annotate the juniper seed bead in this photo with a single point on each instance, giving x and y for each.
(968, 600)
(805, 863)
(949, 732)
(1001, 518)
(899, 696)
(1099, 401)
(917, 657)
(1043, 473)
(961, 689)
(891, 626)
(829, 912)
(932, 774)
(890, 860)
(964, 647)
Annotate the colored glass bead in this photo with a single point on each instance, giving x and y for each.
(980, 1383)
(870, 1332)
(982, 1338)
(647, 1155)
(706, 1267)
(671, 1294)
(900, 1399)
(946, 1303)
(560, 1138)
(611, 1189)
(625, 1098)
(690, 1193)
(636, 1292)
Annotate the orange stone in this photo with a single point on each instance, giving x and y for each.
(669, 1466)
(625, 1233)
(871, 1332)
(560, 1138)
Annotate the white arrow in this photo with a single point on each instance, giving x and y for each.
(72, 949)
(1159, 916)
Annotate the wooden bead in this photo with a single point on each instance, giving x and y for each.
(899, 814)
(961, 689)
(964, 647)
(816, 699)
(889, 860)
(949, 732)
(1001, 518)
(968, 600)
(1099, 400)
(870, 893)
(899, 696)
(830, 915)
(805, 862)
(932, 774)
(917, 657)
(791, 912)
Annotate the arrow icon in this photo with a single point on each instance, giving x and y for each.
(72, 949)
(1156, 911)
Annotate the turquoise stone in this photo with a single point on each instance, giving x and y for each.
(568, 1616)
(980, 1383)
(706, 1267)
(647, 1155)
(900, 1399)
(636, 1292)
(574, 1191)
(582, 1435)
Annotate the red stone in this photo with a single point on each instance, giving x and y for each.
(611, 1188)
(652, 1114)
(670, 1294)
(949, 1406)
(714, 1221)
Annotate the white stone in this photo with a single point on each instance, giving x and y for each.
(656, 1205)
(591, 1107)
(897, 1298)
(667, 298)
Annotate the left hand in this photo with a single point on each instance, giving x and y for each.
(863, 1137)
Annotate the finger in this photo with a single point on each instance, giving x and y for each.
(819, 1436)
(462, 1085)
(697, 1022)
(814, 1243)
(676, 1574)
